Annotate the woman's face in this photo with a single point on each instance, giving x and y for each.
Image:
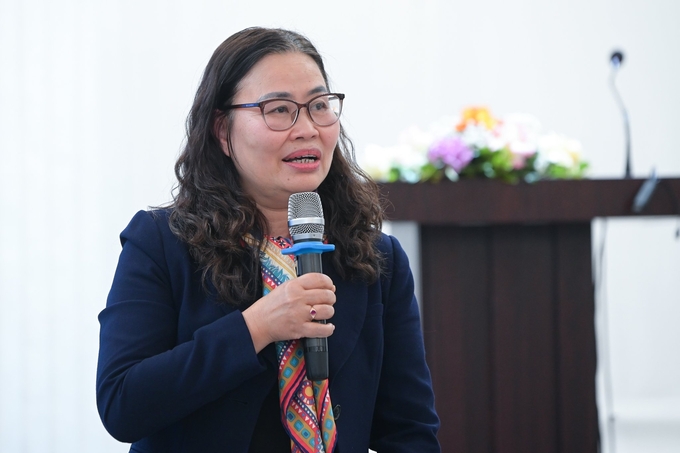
(275, 164)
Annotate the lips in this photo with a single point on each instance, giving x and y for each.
(304, 156)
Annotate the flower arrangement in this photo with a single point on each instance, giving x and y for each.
(477, 145)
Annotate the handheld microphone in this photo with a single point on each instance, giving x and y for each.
(615, 60)
(306, 225)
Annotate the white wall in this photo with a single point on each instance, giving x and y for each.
(93, 97)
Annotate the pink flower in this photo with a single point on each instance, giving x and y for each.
(452, 152)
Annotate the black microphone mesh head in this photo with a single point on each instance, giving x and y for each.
(616, 59)
(305, 205)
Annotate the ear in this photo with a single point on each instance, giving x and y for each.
(221, 131)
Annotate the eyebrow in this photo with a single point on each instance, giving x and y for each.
(287, 95)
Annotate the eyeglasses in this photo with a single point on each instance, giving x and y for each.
(281, 114)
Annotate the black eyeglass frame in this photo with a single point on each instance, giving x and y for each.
(262, 104)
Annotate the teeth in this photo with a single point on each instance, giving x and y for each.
(304, 160)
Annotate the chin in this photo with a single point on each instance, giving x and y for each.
(307, 187)
(304, 189)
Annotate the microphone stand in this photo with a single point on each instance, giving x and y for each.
(616, 60)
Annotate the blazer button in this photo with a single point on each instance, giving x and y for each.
(336, 412)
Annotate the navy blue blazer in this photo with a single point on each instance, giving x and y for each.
(178, 372)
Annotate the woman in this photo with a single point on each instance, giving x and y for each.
(198, 331)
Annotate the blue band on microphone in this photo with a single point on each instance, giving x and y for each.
(303, 248)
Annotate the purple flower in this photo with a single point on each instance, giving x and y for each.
(452, 152)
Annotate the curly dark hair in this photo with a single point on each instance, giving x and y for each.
(210, 210)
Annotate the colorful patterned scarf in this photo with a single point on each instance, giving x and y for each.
(306, 411)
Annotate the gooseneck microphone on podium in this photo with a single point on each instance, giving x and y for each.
(306, 225)
(615, 60)
(645, 192)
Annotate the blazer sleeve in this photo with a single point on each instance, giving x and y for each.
(404, 419)
(146, 380)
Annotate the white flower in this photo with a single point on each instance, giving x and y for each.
(559, 150)
(520, 133)
(378, 160)
(406, 156)
(478, 136)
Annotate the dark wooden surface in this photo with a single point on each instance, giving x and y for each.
(508, 306)
(493, 202)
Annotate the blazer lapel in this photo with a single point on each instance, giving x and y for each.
(350, 313)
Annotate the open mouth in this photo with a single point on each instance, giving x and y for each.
(303, 159)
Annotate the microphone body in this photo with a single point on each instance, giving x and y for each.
(306, 224)
(645, 193)
(316, 349)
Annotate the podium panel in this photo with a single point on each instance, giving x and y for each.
(508, 320)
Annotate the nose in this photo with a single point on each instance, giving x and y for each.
(304, 126)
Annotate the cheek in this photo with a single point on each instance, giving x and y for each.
(251, 137)
(331, 136)
(331, 142)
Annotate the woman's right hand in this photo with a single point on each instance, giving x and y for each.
(286, 312)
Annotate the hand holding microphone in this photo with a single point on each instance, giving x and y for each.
(285, 313)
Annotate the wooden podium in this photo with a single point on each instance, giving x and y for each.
(508, 306)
